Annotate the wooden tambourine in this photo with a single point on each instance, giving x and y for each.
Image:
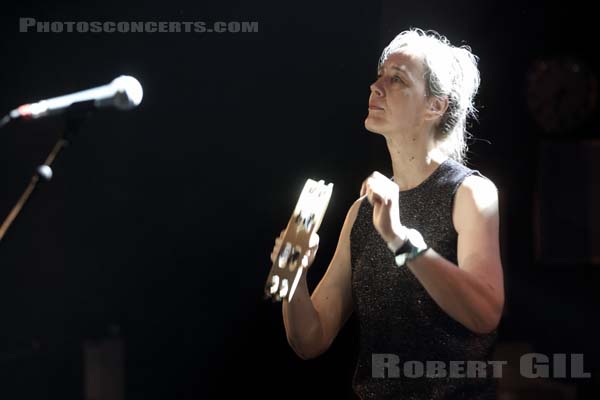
(306, 219)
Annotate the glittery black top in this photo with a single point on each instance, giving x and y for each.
(398, 317)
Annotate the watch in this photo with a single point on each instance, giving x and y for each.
(413, 246)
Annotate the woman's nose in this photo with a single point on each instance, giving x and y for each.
(376, 89)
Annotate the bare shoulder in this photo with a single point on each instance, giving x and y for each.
(479, 191)
(476, 198)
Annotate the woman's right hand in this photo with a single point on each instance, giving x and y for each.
(308, 259)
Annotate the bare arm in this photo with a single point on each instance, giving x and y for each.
(472, 294)
(312, 322)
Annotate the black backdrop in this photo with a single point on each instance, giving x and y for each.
(159, 221)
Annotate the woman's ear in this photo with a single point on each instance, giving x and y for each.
(437, 107)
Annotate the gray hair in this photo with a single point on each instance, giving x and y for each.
(449, 72)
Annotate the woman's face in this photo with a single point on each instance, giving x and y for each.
(398, 97)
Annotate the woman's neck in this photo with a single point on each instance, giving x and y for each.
(414, 158)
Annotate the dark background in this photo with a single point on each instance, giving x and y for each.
(158, 225)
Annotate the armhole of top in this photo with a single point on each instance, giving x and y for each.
(455, 190)
(358, 213)
(363, 204)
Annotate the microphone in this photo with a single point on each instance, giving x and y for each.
(123, 93)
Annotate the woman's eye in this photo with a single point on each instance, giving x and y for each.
(396, 78)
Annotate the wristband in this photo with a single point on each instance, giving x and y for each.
(413, 246)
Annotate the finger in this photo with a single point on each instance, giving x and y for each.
(276, 248)
(305, 261)
(377, 198)
(314, 240)
(380, 192)
(376, 185)
(374, 196)
(366, 186)
(374, 193)
(369, 188)
(275, 252)
(377, 174)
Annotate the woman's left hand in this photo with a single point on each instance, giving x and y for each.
(383, 194)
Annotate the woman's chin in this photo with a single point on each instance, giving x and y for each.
(373, 125)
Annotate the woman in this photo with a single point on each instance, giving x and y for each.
(418, 256)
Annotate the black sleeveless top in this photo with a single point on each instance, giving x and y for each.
(395, 313)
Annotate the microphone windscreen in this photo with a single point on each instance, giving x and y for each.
(129, 92)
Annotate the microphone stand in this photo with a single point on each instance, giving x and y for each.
(75, 117)
(74, 120)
